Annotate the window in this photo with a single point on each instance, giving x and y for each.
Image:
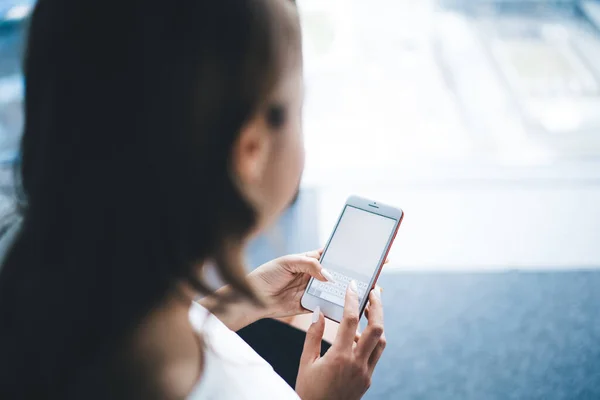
(480, 118)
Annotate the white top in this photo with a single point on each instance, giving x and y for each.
(232, 370)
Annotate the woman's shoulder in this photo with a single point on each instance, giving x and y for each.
(232, 369)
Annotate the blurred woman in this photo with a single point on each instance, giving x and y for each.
(159, 138)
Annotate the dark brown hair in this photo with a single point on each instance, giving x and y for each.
(131, 112)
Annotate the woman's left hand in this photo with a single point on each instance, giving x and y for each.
(282, 282)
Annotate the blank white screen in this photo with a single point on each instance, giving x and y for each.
(358, 243)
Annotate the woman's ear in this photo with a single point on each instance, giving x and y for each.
(251, 153)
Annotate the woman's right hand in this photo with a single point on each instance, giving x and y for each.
(344, 372)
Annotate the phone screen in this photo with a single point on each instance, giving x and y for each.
(355, 249)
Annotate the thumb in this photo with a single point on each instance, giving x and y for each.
(314, 335)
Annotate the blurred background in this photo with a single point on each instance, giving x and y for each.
(481, 119)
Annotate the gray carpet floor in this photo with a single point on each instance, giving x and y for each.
(490, 336)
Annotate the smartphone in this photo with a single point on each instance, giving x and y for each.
(356, 250)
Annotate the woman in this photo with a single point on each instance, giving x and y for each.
(159, 138)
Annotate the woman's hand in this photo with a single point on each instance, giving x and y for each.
(344, 372)
(282, 282)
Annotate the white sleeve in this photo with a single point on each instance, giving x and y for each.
(232, 370)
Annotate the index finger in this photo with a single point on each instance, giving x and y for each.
(347, 330)
(314, 253)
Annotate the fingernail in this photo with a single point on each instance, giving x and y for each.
(377, 292)
(353, 286)
(316, 314)
(327, 275)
